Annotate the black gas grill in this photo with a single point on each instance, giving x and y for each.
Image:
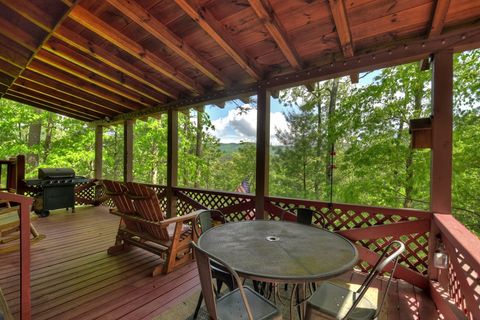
(54, 189)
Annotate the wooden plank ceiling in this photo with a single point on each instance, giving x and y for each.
(112, 59)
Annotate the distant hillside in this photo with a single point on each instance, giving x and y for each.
(229, 148)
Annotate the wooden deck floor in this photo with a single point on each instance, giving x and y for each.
(74, 278)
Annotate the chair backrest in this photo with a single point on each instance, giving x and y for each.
(148, 207)
(203, 262)
(207, 219)
(388, 256)
(305, 216)
(118, 193)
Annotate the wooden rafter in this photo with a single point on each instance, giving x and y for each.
(343, 29)
(38, 46)
(12, 95)
(439, 16)
(158, 30)
(89, 77)
(70, 55)
(276, 30)
(436, 26)
(89, 101)
(32, 13)
(55, 101)
(59, 76)
(217, 32)
(80, 43)
(54, 93)
(104, 30)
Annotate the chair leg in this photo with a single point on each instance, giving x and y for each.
(199, 303)
(219, 286)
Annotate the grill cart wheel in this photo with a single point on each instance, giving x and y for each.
(42, 213)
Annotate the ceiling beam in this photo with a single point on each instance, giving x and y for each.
(116, 37)
(341, 24)
(76, 72)
(436, 26)
(23, 98)
(158, 30)
(61, 50)
(55, 101)
(39, 67)
(87, 47)
(218, 33)
(439, 16)
(90, 101)
(277, 32)
(32, 13)
(47, 36)
(51, 92)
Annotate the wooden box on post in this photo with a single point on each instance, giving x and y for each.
(421, 131)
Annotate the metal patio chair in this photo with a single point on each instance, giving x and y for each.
(334, 302)
(241, 303)
(205, 220)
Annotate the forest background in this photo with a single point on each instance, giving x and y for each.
(366, 127)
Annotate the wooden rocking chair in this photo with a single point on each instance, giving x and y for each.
(10, 228)
(147, 228)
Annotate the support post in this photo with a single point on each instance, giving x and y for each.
(263, 153)
(441, 156)
(128, 150)
(172, 162)
(98, 166)
(441, 162)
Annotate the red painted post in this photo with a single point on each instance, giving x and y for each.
(98, 169)
(441, 161)
(128, 150)
(172, 162)
(263, 154)
(25, 204)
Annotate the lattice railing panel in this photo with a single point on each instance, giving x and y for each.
(348, 217)
(217, 200)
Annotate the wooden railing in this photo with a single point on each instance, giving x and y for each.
(456, 290)
(24, 204)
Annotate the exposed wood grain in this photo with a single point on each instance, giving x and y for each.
(37, 104)
(439, 16)
(343, 29)
(278, 33)
(157, 29)
(213, 28)
(60, 49)
(96, 25)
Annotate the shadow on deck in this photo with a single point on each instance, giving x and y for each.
(73, 277)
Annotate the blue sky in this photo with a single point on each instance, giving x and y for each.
(232, 126)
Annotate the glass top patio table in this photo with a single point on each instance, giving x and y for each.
(288, 252)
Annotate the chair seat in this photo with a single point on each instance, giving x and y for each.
(335, 301)
(230, 306)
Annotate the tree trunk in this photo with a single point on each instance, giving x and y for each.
(408, 202)
(34, 134)
(318, 151)
(116, 161)
(198, 149)
(47, 145)
(330, 138)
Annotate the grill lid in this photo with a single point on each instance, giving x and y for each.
(55, 173)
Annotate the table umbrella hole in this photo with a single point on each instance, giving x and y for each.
(272, 238)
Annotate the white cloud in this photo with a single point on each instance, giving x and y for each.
(242, 126)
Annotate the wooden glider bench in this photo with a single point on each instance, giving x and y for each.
(144, 225)
(10, 227)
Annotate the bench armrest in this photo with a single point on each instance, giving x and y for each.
(183, 218)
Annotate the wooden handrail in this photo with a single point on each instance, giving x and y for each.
(25, 204)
